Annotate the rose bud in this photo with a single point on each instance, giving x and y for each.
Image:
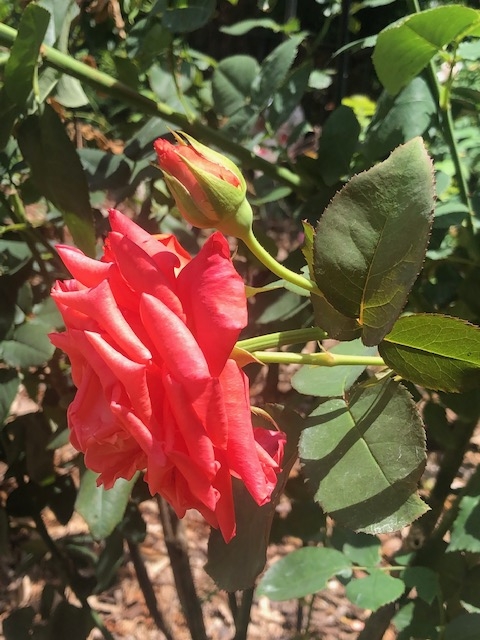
(208, 188)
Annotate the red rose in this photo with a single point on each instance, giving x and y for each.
(149, 333)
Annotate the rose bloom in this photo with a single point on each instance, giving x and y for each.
(149, 333)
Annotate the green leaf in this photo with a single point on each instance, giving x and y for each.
(47, 312)
(333, 322)
(69, 93)
(302, 572)
(465, 534)
(235, 565)
(102, 509)
(361, 548)
(29, 346)
(372, 445)
(325, 382)
(287, 97)
(375, 590)
(14, 254)
(232, 83)
(424, 580)
(365, 259)
(189, 17)
(337, 144)
(244, 26)
(434, 351)
(399, 119)
(274, 70)
(405, 48)
(57, 173)
(9, 383)
(18, 624)
(109, 561)
(464, 627)
(68, 621)
(21, 66)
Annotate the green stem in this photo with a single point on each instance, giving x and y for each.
(281, 338)
(107, 84)
(275, 267)
(448, 129)
(325, 359)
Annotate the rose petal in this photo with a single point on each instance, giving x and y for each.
(213, 296)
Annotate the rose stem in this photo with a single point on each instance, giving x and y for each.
(280, 338)
(242, 619)
(68, 573)
(148, 592)
(175, 541)
(325, 359)
(274, 266)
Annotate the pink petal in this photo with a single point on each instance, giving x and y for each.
(100, 304)
(213, 296)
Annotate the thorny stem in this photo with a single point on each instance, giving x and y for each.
(177, 550)
(99, 80)
(148, 592)
(275, 267)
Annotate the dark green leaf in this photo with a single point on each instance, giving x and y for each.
(373, 446)
(189, 17)
(232, 83)
(365, 260)
(14, 254)
(21, 66)
(302, 573)
(434, 351)
(109, 561)
(288, 96)
(333, 322)
(465, 534)
(375, 590)
(235, 565)
(337, 144)
(424, 580)
(68, 621)
(102, 509)
(465, 627)
(61, 496)
(58, 173)
(274, 70)
(18, 624)
(9, 383)
(405, 48)
(417, 619)
(399, 119)
(361, 548)
(470, 594)
(29, 346)
(325, 382)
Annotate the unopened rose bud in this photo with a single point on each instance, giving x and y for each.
(209, 190)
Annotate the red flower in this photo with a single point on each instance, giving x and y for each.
(149, 333)
(208, 188)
